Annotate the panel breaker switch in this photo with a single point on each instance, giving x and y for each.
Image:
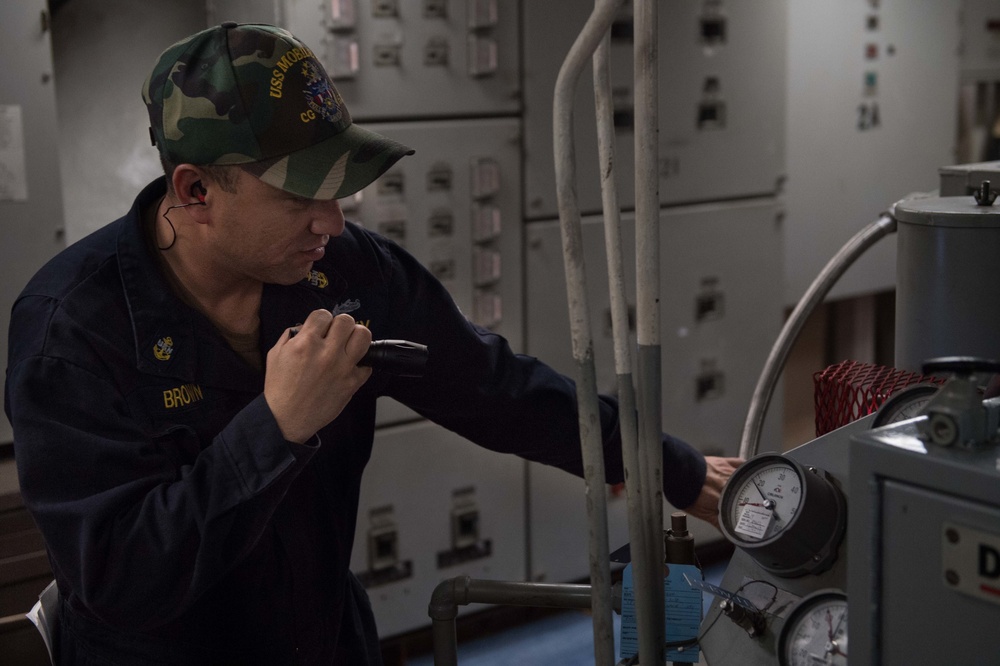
(482, 55)
(342, 58)
(713, 30)
(485, 223)
(482, 14)
(343, 15)
(710, 383)
(436, 9)
(441, 223)
(623, 108)
(465, 542)
(487, 308)
(352, 203)
(385, 8)
(436, 52)
(394, 230)
(383, 540)
(485, 178)
(486, 266)
(391, 184)
(386, 55)
(442, 269)
(439, 177)
(710, 301)
(712, 109)
(464, 519)
(384, 564)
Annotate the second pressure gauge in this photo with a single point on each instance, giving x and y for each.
(815, 632)
(787, 517)
(905, 404)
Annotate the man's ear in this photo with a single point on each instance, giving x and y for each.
(188, 184)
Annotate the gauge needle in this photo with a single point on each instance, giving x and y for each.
(768, 504)
(834, 646)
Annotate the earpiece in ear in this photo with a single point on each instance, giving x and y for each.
(198, 191)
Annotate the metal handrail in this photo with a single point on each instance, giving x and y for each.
(579, 317)
(643, 573)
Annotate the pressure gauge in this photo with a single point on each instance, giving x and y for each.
(905, 404)
(815, 631)
(787, 517)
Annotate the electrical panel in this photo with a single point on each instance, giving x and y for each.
(979, 98)
(434, 506)
(31, 231)
(30, 186)
(721, 102)
(454, 205)
(405, 59)
(980, 40)
(718, 327)
(105, 154)
(558, 528)
(871, 116)
(936, 493)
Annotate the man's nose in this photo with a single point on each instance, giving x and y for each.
(328, 219)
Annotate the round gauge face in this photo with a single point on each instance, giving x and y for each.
(764, 502)
(788, 517)
(816, 631)
(904, 405)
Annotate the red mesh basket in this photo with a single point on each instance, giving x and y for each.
(849, 390)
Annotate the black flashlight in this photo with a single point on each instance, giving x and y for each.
(395, 357)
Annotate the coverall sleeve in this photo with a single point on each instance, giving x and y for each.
(476, 386)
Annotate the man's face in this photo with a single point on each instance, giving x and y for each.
(269, 235)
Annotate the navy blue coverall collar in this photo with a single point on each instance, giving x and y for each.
(169, 335)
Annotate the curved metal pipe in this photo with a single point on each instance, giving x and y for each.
(814, 295)
(583, 350)
(463, 590)
(646, 617)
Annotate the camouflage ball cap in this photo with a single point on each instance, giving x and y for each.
(255, 96)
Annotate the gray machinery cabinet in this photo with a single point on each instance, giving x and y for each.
(924, 572)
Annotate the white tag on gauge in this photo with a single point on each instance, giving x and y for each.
(754, 521)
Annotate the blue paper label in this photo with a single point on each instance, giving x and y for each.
(682, 608)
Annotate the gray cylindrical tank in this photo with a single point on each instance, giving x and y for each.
(947, 282)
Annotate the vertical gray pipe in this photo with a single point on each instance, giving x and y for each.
(647, 238)
(583, 349)
(444, 637)
(644, 578)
